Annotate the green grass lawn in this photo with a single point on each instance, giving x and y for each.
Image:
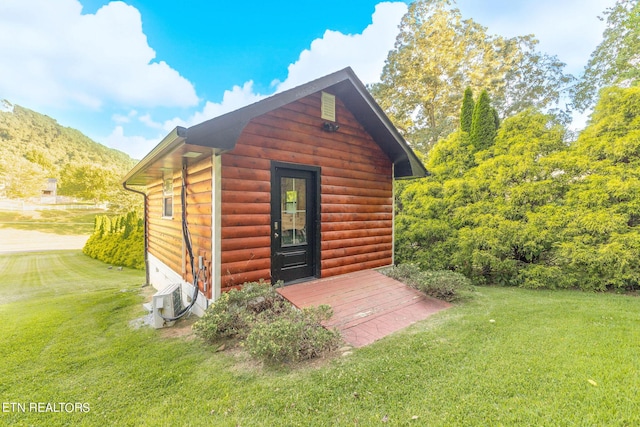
(549, 358)
(51, 221)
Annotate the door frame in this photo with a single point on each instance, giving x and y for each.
(315, 228)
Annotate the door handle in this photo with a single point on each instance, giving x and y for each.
(276, 235)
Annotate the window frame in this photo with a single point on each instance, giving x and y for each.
(167, 198)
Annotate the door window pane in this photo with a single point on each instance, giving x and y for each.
(293, 205)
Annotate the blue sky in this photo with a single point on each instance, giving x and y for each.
(126, 73)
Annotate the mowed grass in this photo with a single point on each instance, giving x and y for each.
(62, 222)
(548, 358)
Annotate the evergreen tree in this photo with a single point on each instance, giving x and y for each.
(129, 224)
(106, 225)
(496, 118)
(97, 225)
(466, 112)
(483, 124)
(110, 244)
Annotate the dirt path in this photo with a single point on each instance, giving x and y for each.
(12, 240)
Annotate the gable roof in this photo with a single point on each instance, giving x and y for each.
(221, 133)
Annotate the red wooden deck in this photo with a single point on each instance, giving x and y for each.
(367, 305)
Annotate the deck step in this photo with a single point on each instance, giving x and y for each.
(366, 304)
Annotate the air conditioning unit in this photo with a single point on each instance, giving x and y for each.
(167, 303)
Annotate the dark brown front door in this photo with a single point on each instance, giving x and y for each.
(294, 222)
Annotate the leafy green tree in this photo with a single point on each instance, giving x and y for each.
(40, 158)
(480, 216)
(438, 54)
(99, 184)
(614, 132)
(466, 112)
(451, 157)
(483, 123)
(83, 181)
(24, 179)
(616, 60)
(602, 233)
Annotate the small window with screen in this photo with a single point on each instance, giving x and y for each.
(167, 198)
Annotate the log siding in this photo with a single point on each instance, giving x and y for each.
(165, 234)
(356, 192)
(351, 163)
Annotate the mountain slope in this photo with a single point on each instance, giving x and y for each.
(34, 147)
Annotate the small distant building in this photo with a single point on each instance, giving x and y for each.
(50, 191)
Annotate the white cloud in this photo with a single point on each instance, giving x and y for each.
(53, 55)
(232, 99)
(365, 53)
(135, 146)
(138, 147)
(119, 118)
(149, 122)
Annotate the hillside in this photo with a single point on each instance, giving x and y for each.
(34, 147)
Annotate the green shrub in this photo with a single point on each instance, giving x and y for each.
(406, 273)
(532, 209)
(442, 284)
(272, 329)
(118, 240)
(232, 315)
(292, 335)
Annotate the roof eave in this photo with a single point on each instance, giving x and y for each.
(221, 133)
(170, 143)
(378, 125)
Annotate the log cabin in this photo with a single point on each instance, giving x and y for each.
(294, 187)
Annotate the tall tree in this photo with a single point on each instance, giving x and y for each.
(483, 124)
(89, 182)
(438, 54)
(616, 60)
(23, 179)
(466, 112)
